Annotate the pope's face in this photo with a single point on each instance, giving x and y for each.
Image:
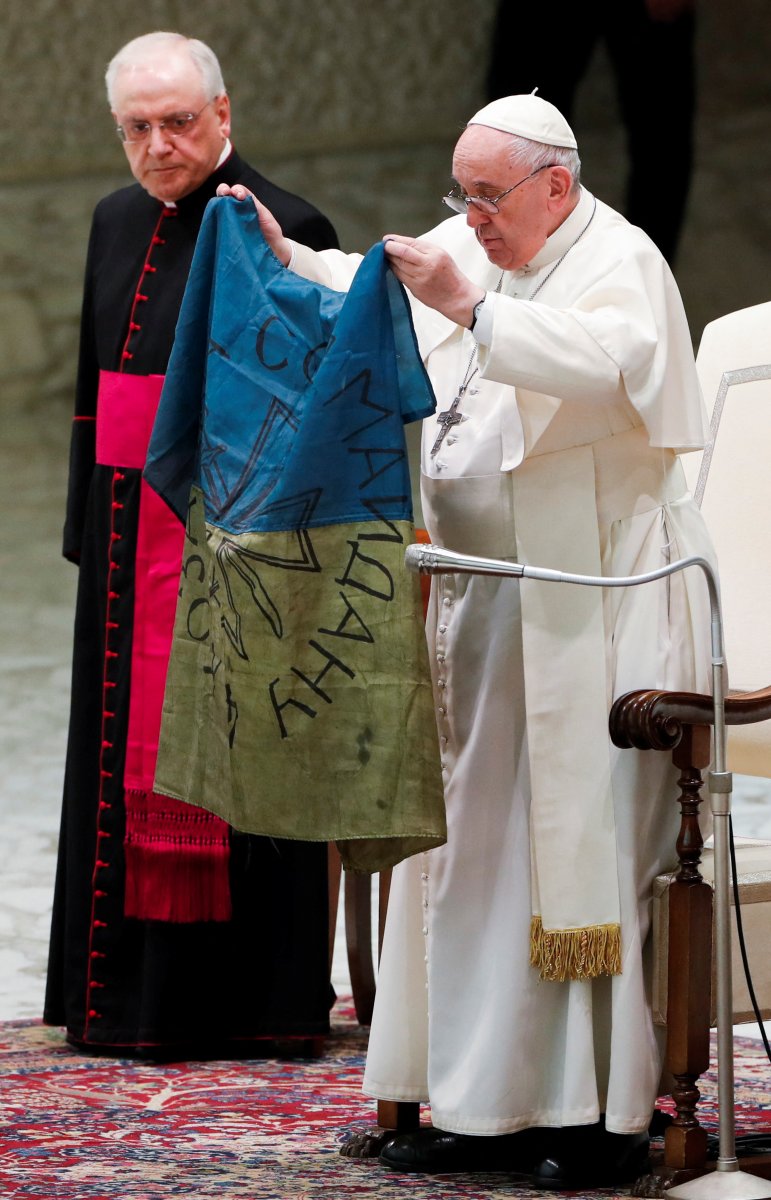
(483, 166)
(170, 167)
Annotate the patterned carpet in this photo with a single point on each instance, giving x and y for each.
(76, 1127)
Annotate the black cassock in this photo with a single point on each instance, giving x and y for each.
(115, 982)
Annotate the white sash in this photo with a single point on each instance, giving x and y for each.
(575, 928)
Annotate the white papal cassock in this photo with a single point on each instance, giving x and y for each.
(566, 458)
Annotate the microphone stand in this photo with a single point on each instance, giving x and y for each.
(727, 1182)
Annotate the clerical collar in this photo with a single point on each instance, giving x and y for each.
(227, 150)
(558, 243)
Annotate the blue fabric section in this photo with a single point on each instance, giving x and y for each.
(285, 400)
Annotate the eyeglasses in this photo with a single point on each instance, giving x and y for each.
(175, 125)
(459, 202)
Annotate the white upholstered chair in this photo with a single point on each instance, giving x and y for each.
(732, 482)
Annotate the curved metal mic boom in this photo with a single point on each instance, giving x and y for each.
(728, 1182)
(435, 560)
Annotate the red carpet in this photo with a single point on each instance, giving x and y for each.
(76, 1127)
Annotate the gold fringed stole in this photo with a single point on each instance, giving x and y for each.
(562, 954)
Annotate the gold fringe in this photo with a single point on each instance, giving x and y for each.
(562, 954)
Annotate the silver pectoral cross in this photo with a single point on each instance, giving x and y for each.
(447, 419)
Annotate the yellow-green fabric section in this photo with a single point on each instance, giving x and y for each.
(298, 699)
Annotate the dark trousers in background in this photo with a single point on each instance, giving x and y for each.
(549, 46)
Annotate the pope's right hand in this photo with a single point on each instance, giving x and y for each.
(271, 230)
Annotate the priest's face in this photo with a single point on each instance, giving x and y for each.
(172, 161)
(483, 166)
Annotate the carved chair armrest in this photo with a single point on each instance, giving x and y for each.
(654, 720)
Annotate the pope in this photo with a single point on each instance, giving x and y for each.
(513, 987)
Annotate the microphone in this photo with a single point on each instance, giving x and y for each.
(434, 560)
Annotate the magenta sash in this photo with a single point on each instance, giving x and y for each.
(176, 854)
(125, 413)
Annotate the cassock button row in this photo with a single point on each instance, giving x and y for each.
(442, 629)
(442, 711)
(441, 683)
(424, 930)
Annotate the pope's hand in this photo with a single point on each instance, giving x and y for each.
(432, 276)
(271, 230)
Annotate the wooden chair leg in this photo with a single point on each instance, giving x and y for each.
(690, 965)
(334, 875)
(358, 935)
(401, 1115)
(358, 927)
(689, 986)
(384, 889)
(357, 890)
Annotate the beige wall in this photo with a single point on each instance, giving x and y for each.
(354, 105)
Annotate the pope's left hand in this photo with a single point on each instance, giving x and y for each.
(431, 275)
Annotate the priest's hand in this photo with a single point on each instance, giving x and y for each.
(271, 230)
(432, 277)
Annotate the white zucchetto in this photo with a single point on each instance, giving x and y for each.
(529, 117)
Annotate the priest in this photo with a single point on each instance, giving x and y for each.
(514, 979)
(171, 934)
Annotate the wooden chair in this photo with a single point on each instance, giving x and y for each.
(732, 481)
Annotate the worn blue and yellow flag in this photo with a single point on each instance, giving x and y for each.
(298, 700)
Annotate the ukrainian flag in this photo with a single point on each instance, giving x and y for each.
(298, 700)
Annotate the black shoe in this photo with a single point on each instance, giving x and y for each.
(435, 1152)
(590, 1157)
